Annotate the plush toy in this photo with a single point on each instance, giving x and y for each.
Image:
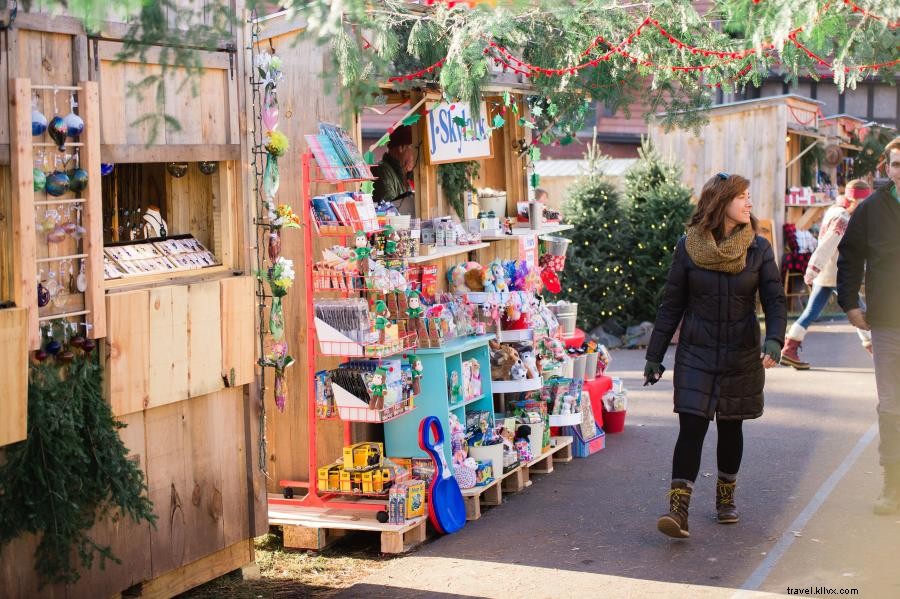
(503, 358)
(526, 353)
(522, 443)
(454, 388)
(391, 241)
(378, 386)
(362, 251)
(458, 449)
(414, 308)
(500, 282)
(456, 276)
(517, 372)
(488, 280)
(474, 278)
(381, 320)
(417, 371)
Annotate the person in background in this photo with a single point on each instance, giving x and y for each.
(821, 274)
(718, 269)
(392, 183)
(872, 245)
(541, 195)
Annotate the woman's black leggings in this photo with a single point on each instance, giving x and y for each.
(689, 447)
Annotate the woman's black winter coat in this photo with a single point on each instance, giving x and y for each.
(718, 371)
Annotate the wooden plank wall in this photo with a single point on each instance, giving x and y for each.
(748, 142)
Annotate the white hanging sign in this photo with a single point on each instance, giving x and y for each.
(448, 141)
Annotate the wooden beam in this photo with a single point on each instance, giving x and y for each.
(209, 59)
(22, 177)
(93, 210)
(196, 573)
(124, 154)
(14, 374)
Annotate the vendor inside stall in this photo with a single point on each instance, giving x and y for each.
(392, 185)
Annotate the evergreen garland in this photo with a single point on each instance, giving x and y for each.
(595, 274)
(71, 471)
(659, 206)
(455, 178)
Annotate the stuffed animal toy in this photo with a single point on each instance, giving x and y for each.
(517, 372)
(503, 358)
(458, 448)
(456, 276)
(488, 280)
(500, 282)
(526, 353)
(474, 278)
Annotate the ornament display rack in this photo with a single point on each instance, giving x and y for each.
(348, 412)
(25, 258)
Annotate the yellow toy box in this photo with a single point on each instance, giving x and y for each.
(363, 456)
(376, 481)
(330, 477)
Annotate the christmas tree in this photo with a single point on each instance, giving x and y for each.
(595, 274)
(658, 205)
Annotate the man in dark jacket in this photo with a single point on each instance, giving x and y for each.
(873, 240)
(392, 182)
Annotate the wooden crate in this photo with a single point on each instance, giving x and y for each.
(543, 464)
(515, 480)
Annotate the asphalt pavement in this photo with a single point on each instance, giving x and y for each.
(809, 476)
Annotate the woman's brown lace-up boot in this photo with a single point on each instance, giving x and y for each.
(675, 523)
(726, 510)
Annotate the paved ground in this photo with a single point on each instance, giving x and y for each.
(809, 477)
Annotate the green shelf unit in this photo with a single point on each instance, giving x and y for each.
(401, 436)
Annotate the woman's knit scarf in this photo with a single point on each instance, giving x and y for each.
(729, 255)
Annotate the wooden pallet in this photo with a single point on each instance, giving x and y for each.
(543, 464)
(316, 528)
(515, 480)
(488, 495)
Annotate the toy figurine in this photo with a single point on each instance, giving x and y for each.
(417, 371)
(381, 320)
(391, 241)
(489, 285)
(376, 402)
(415, 311)
(362, 251)
(500, 282)
(455, 388)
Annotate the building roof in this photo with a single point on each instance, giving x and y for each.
(614, 167)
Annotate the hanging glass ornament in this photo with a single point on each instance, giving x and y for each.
(208, 167)
(58, 131)
(38, 122)
(276, 319)
(177, 169)
(43, 295)
(74, 124)
(89, 345)
(270, 110)
(81, 279)
(65, 356)
(57, 183)
(271, 177)
(53, 347)
(106, 168)
(78, 180)
(40, 355)
(40, 179)
(274, 245)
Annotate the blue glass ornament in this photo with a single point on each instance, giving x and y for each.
(38, 122)
(57, 183)
(106, 168)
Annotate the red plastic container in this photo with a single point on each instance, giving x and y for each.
(614, 422)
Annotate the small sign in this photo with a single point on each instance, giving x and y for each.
(455, 135)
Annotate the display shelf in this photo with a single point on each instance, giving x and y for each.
(516, 336)
(565, 419)
(500, 298)
(353, 409)
(456, 346)
(517, 386)
(526, 231)
(447, 252)
(333, 343)
(456, 406)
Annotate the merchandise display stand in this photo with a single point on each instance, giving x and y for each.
(329, 506)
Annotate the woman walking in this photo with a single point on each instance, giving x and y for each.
(821, 274)
(718, 269)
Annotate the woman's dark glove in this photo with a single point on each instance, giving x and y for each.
(653, 371)
(772, 349)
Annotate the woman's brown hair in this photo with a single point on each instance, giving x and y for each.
(714, 199)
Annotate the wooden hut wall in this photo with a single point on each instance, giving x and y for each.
(189, 411)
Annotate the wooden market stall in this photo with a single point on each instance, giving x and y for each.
(759, 139)
(290, 431)
(176, 329)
